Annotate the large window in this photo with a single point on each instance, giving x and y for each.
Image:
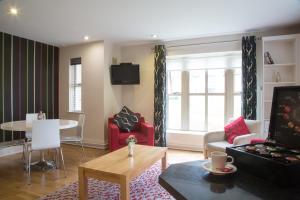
(204, 91)
(75, 85)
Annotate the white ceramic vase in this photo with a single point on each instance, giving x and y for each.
(130, 149)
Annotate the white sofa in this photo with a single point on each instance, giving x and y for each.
(215, 141)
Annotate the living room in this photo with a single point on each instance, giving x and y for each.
(124, 85)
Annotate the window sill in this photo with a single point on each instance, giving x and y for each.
(186, 132)
(75, 112)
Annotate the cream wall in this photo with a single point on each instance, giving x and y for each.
(112, 93)
(92, 55)
(140, 98)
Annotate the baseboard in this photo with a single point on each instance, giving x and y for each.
(96, 146)
(10, 150)
(184, 147)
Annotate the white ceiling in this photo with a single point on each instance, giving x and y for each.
(64, 22)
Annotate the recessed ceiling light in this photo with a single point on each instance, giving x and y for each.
(13, 11)
(86, 37)
(154, 36)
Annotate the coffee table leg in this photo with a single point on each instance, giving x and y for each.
(124, 189)
(83, 185)
(164, 162)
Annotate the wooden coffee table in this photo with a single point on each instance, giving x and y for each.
(117, 167)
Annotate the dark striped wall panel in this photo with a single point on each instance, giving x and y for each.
(28, 80)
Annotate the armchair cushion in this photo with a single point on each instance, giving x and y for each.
(236, 128)
(244, 139)
(126, 120)
(139, 136)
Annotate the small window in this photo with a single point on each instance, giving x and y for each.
(75, 104)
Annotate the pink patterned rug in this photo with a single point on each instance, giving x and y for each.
(145, 186)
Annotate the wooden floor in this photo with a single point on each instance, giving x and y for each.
(13, 179)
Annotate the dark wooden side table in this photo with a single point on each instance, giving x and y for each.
(189, 181)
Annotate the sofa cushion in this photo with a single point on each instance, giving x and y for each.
(235, 128)
(218, 146)
(126, 120)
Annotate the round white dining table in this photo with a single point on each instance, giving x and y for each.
(23, 126)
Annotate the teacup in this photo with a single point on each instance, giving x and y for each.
(219, 160)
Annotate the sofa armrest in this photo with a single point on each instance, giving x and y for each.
(244, 139)
(214, 136)
(113, 136)
(148, 130)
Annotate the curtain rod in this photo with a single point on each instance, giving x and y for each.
(204, 43)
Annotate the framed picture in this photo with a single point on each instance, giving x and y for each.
(285, 116)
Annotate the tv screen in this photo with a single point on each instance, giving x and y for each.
(125, 74)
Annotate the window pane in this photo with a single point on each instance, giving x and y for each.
(215, 112)
(174, 82)
(237, 106)
(197, 81)
(77, 99)
(78, 74)
(197, 113)
(216, 81)
(174, 112)
(75, 88)
(71, 74)
(237, 80)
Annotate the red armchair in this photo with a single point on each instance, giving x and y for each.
(144, 134)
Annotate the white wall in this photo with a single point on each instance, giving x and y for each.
(112, 93)
(92, 55)
(140, 98)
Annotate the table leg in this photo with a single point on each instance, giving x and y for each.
(164, 162)
(124, 189)
(83, 184)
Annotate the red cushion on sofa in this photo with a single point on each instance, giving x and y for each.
(236, 128)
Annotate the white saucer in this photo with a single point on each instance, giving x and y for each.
(207, 167)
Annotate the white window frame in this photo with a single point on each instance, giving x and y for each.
(228, 97)
(72, 89)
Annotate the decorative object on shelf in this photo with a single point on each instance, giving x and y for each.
(277, 77)
(131, 141)
(114, 60)
(268, 58)
(41, 116)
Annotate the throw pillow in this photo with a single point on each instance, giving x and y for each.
(236, 128)
(126, 120)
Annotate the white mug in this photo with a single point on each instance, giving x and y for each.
(219, 160)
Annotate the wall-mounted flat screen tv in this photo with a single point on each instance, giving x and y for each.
(125, 74)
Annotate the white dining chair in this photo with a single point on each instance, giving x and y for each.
(45, 135)
(78, 138)
(30, 117)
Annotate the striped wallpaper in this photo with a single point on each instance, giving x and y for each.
(28, 80)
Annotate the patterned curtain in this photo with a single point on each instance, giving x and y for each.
(249, 77)
(160, 95)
